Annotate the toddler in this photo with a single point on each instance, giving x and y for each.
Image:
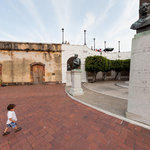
(11, 122)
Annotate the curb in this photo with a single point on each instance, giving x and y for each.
(103, 93)
(109, 113)
(121, 85)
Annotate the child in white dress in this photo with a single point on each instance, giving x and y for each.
(11, 122)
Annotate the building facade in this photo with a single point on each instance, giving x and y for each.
(83, 51)
(29, 62)
(32, 63)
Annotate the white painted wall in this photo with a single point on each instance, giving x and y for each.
(116, 55)
(139, 85)
(83, 51)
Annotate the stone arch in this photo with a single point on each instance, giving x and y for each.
(37, 72)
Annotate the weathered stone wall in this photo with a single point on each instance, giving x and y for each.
(16, 60)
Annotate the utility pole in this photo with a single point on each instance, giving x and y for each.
(119, 46)
(62, 35)
(84, 37)
(104, 44)
(94, 43)
(118, 49)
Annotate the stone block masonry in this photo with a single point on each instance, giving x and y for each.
(30, 62)
(139, 87)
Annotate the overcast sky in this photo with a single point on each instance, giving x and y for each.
(42, 20)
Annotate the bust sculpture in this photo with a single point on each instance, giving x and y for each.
(144, 21)
(76, 62)
(73, 63)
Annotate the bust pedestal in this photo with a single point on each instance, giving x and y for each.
(76, 83)
(68, 78)
(139, 84)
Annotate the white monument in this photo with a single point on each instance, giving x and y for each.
(76, 88)
(68, 78)
(74, 65)
(139, 84)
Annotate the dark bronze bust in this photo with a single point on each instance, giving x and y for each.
(73, 63)
(143, 24)
(76, 62)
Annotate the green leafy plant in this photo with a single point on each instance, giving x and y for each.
(95, 64)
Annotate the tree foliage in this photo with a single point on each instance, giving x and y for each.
(126, 65)
(95, 64)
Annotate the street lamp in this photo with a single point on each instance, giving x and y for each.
(94, 43)
(84, 37)
(119, 46)
(104, 44)
(62, 35)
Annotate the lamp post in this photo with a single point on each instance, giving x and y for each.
(62, 35)
(94, 43)
(84, 37)
(104, 44)
(118, 49)
(119, 46)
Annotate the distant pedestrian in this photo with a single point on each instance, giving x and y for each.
(11, 122)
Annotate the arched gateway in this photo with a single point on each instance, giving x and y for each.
(37, 73)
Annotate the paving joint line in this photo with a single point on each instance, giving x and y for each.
(109, 113)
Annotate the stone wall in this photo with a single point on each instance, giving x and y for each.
(16, 60)
(83, 51)
(139, 84)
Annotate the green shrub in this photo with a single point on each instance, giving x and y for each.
(126, 65)
(95, 64)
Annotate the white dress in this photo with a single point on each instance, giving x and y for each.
(12, 115)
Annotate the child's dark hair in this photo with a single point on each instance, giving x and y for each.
(11, 106)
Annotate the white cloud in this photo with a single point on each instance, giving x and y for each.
(30, 6)
(32, 34)
(120, 31)
(92, 22)
(104, 15)
(88, 21)
(8, 36)
(63, 12)
(62, 9)
(127, 17)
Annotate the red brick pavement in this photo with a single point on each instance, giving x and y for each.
(53, 121)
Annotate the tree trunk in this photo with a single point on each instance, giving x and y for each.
(104, 76)
(95, 77)
(116, 75)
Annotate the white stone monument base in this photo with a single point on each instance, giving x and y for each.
(76, 83)
(139, 84)
(68, 78)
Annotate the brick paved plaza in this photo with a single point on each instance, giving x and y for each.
(53, 121)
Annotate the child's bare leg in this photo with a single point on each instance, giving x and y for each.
(6, 129)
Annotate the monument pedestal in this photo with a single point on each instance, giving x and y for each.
(68, 78)
(139, 84)
(76, 83)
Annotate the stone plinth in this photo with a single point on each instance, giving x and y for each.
(139, 85)
(76, 83)
(68, 78)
